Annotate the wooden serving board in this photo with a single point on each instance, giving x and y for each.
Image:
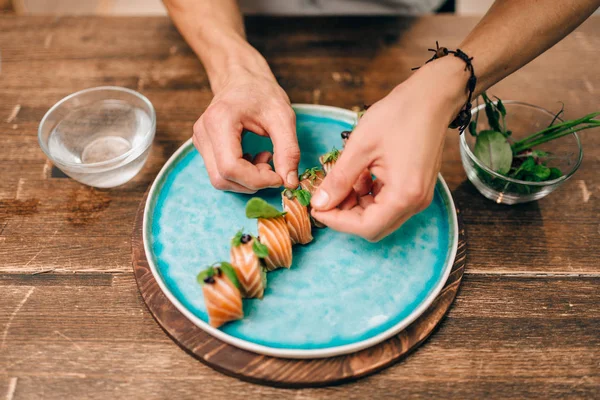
(281, 372)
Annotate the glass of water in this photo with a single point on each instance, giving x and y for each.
(100, 136)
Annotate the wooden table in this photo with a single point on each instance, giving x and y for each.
(526, 322)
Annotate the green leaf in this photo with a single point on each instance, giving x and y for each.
(500, 106)
(473, 128)
(539, 153)
(258, 208)
(493, 118)
(260, 249)
(229, 272)
(207, 273)
(237, 239)
(528, 165)
(310, 173)
(492, 149)
(332, 156)
(303, 196)
(555, 173)
(541, 172)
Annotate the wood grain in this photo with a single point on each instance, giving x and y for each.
(287, 372)
(503, 337)
(511, 332)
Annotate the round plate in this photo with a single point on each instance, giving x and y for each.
(342, 293)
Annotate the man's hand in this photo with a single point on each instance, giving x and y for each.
(255, 102)
(247, 97)
(399, 140)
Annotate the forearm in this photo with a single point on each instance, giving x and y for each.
(514, 32)
(214, 29)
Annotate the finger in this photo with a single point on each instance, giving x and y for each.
(349, 202)
(366, 200)
(364, 183)
(266, 167)
(281, 127)
(205, 149)
(375, 220)
(377, 185)
(264, 157)
(227, 149)
(392, 228)
(339, 181)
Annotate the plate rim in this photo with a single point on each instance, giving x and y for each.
(333, 351)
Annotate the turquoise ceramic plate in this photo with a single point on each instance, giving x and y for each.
(342, 293)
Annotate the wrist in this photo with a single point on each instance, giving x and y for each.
(447, 80)
(234, 59)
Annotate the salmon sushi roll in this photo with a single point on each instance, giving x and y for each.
(310, 180)
(222, 296)
(247, 255)
(295, 204)
(328, 160)
(272, 232)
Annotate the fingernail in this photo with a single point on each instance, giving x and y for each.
(292, 178)
(320, 199)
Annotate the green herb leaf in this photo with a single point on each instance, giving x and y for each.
(528, 165)
(494, 151)
(500, 106)
(258, 208)
(310, 173)
(303, 196)
(539, 153)
(332, 156)
(237, 239)
(493, 116)
(229, 271)
(541, 172)
(260, 249)
(207, 273)
(555, 173)
(473, 128)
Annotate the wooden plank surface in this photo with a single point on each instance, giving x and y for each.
(525, 323)
(494, 340)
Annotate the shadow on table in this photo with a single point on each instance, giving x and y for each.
(499, 236)
(325, 36)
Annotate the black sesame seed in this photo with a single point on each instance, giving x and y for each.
(218, 271)
(209, 279)
(346, 134)
(245, 238)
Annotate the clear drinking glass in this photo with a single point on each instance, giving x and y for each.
(522, 119)
(100, 136)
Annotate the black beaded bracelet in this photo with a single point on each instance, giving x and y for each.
(464, 116)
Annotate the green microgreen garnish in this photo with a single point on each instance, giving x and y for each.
(302, 195)
(229, 272)
(260, 249)
(517, 158)
(310, 173)
(237, 239)
(258, 208)
(332, 156)
(207, 275)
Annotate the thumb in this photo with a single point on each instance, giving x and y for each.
(339, 181)
(286, 153)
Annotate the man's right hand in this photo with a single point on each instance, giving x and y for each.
(252, 101)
